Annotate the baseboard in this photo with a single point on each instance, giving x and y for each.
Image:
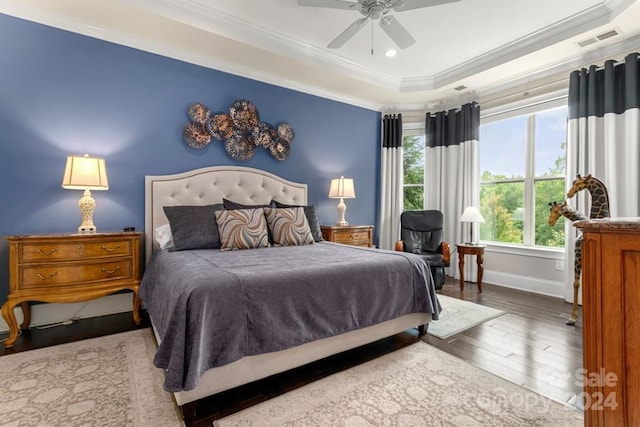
(46, 314)
(529, 284)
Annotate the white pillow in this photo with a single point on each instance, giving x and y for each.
(163, 236)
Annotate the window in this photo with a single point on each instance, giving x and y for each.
(522, 164)
(413, 169)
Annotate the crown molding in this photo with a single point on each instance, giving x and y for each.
(616, 7)
(204, 16)
(18, 10)
(508, 91)
(572, 26)
(564, 68)
(228, 26)
(200, 14)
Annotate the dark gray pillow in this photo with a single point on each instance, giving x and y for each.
(228, 204)
(194, 227)
(312, 218)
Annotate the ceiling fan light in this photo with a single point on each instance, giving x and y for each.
(375, 10)
(390, 53)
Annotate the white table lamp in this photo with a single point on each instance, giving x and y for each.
(471, 214)
(342, 188)
(85, 173)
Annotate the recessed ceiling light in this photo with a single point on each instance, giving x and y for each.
(390, 53)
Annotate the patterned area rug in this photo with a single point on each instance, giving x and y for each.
(418, 385)
(458, 315)
(107, 381)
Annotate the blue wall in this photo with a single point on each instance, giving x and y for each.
(62, 93)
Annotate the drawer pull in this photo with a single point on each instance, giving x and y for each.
(104, 270)
(109, 249)
(48, 276)
(41, 252)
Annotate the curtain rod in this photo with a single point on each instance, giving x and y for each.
(517, 96)
(482, 100)
(521, 107)
(618, 60)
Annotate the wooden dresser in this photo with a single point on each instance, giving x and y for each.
(611, 327)
(355, 235)
(69, 268)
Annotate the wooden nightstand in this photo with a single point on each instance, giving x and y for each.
(69, 268)
(355, 235)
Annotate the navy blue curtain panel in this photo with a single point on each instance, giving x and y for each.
(392, 131)
(453, 127)
(613, 88)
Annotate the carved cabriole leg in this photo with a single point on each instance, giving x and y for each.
(10, 317)
(136, 308)
(26, 315)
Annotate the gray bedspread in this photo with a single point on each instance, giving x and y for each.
(211, 308)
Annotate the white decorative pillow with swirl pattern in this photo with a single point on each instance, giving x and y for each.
(242, 229)
(289, 226)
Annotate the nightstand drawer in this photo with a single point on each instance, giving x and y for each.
(60, 275)
(43, 252)
(356, 238)
(354, 235)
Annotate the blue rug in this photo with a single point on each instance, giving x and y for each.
(458, 315)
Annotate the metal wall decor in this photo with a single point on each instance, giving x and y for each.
(240, 130)
(196, 135)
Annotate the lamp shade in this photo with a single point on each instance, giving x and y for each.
(471, 214)
(84, 172)
(342, 188)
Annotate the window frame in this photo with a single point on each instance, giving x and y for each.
(413, 129)
(413, 124)
(530, 110)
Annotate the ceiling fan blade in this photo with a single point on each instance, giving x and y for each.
(397, 32)
(348, 33)
(403, 5)
(333, 4)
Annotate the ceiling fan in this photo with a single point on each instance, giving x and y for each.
(375, 9)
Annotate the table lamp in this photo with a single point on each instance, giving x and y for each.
(471, 214)
(342, 188)
(85, 173)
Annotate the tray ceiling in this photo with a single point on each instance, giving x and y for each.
(465, 49)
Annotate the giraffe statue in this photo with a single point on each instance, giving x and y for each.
(599, 209)
(599, 195)
(556, 211)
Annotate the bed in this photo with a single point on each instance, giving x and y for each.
(271, 315)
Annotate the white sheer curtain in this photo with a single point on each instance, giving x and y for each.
(391, 181)
(451, 174)
(604, 140)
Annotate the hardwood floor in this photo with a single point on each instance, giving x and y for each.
(82, 329)
(530, 345)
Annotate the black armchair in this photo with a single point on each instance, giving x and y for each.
(421, 233)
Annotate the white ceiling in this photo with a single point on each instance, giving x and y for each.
(492, 47)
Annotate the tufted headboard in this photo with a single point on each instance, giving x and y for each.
(210, 185)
